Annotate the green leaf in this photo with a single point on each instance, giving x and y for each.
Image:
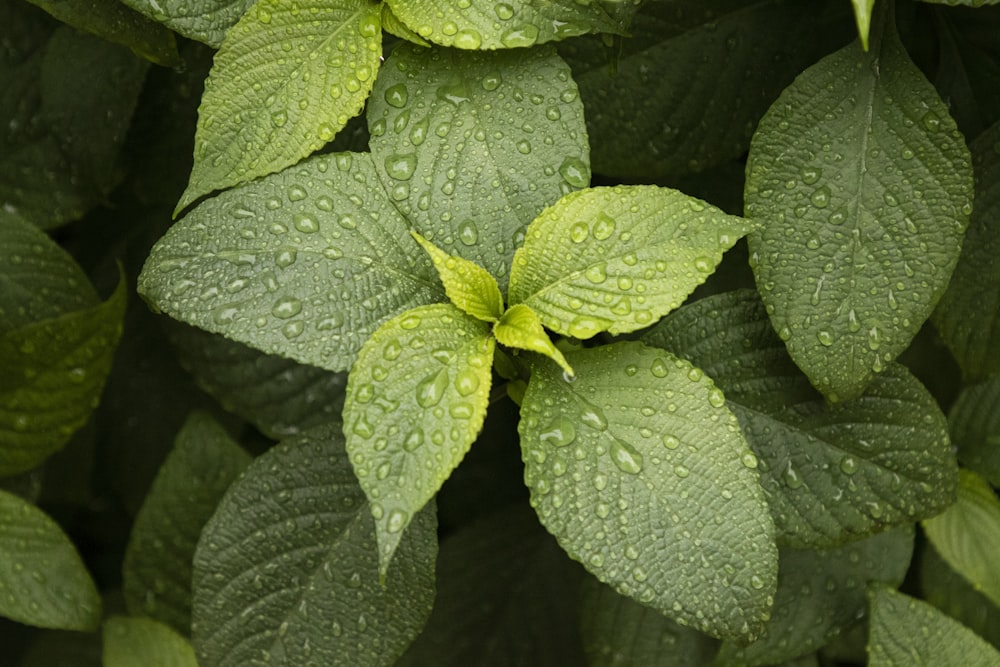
(906, 631)
(954, 595)
(521, 329)
(968, 316)
(968, 74)
(831, 473)
(511, 24)
(275, 251)
(207, 23)
(392, 25)
(156, 575)
(967, 534)
(618, 259)
(286, 572)
(821, 594)
(416, 400)
(469, 286)
(864, 187)
(143, 641)
(974, 421)
(639, 470)
(286, 79)
(863, 17)
(618, 631)
(472, 146)
(54, 372)
(44, 581)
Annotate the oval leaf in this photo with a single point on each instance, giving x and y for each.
(641, 473)
(416, 400)
(953, 594)
(974, 421)
(469, 286)
(143, 641)
(206, 23)
(521, 329)
(864, 187)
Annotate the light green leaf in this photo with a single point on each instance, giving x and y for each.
(974, 421)
(207, 23)
(521, 329)
(469, 286)
(392, 25)
(286, 79)
(511, 24)
(54, 372)
(286, 572)
(416, 400)
(156, 576)
(864, 187)
(142, 641)
(831, 473)
(618, 259)
(44, 581)
(906, 631)
(967, 534)
(821, 594)
(305, 263)
(639, 470)
(472, 146)
(968, 315)
(954, 595)
(863, 17)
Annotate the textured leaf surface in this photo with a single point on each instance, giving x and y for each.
(954, 595)
(968, 315)
(469, 286)
(967, 534)
(208, 22)
(618, 259)
(821, 594)
(305, 264)
(831, 473)
(639, 470)
(502, 25)
(416, 400)
(864, 187)
(974, 421)
(156, 576)
(43, 580)
(472, 146)
(286, 573)
(143, 641)
(286, 79)
(906, 631)
(521, 329)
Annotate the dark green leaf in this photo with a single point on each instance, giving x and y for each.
(968, 75)
(954, 595)
(286, 571)
(207, 21)
(974, 421)
(129, 642)
(62, 648)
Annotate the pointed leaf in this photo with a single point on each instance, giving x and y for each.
(618, 259)
(304, 264)
(286, 573)
(954, 595)
(974, 421)
(864, 188)
(641, 473)
(143, 641)
(44, 581)
(469, 286)
(521, 329)
(831, 473)
(906, 631)
(286, 79)
(416, 400)
(863, 17)
(207, 23)
(472, 146)
(156, 575)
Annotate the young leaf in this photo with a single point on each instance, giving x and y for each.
(143, 641)
(863, 17)
(304, 264)
(44, 581)
(967, 534)
(286, 79)
(515, 23)
(831, 473)
(286, 572)
(472, 146)
(968, 315)
(416, 400)
(156, 575)
(521, 329)
(864, 187)
(906, 631)
(208, 24)
(618, 259)
(974, 421)
(469, 286)
(639, 470)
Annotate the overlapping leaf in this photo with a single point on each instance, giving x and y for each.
(521, 329)
(864, 187)
(831, 472)
(974, 421)
(143, 641)
(639, 470)
(208, 22)
(954, 595)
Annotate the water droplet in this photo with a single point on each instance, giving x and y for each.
(593, 417)
(414, 440)
(931, 121)
(671, 442)
(410, 322)
(279, 118)
(659, 368)
(401, 167)
(791, 477)
(810, 175)
(520, 37)
(454, 94)
(468, 39)
(396, 521)
(584, 327)
(848, 465)
(491, 81)
(431, 389)
(874, 339)
(523, 147)
(466, 382)
(579, 232)
(305, 223)
(704, 264)
(604, 226)
(559, 433)
(297, 193)
(749, 460)
(596, 274)
(396, 95)
(756, 582)
(468, 233)
(503, 11)
(820, 197)
(852, 321)
(626, 457)
(286, 308)
(825, 338)
(575, 172)
(716, 397)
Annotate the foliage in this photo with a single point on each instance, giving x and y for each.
(607, 333)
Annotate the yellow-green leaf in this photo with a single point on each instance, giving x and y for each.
(520, 328)
(468, 285)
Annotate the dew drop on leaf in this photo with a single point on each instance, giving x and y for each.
(431, 389)
(626, 457)
(559, 433)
